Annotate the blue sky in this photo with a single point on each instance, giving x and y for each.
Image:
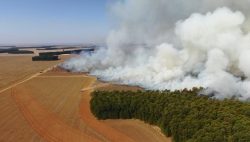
(53, 21)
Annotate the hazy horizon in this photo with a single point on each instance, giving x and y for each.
(53, 22)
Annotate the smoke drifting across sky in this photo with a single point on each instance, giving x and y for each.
(166, 44)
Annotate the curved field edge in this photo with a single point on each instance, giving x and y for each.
(45, 123)
(183, 115)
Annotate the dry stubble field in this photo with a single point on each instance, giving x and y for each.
(17, 68)
(54, 106)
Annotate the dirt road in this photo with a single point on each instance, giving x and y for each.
(55, 107)
(45, 123)
(25, 80)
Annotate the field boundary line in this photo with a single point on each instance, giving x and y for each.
(25, 80)
(51, 76)
(45, 123)
(87, 117)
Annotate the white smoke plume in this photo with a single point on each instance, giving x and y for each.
(166, 44)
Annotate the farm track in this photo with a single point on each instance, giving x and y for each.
(52, 128)
(15, 84)
(45, 123)
(14, 69)
(55, 107)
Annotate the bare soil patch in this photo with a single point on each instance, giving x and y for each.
(54, 106)
(47, 124)
(13, 126)
(108, 132)
(138, 130)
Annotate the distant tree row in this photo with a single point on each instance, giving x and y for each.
(45, 58)
(15, 51)
(55, 53)
(183, 115)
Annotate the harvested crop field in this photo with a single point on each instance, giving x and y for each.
(54, 106)
(138, 130)
(17, 68)
(14, 127)
(44, 108)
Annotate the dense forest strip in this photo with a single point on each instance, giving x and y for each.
(109, 133)
(183, 115)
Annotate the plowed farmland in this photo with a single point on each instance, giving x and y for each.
(54, 107)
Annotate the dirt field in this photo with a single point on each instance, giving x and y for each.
(137, 130)
(13, 126)
(53, 112)
(17, 68)
(54, 107)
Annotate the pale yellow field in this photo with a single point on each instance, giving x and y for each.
(50, 105)
(17, 68)
(13, 126)
(138, 130)
(54, 107)
(44, 108)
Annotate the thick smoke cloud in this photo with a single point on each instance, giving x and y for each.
(165, 44)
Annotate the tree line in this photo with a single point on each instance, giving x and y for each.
(183, 115)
